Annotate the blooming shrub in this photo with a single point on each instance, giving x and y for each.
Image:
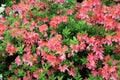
(60, 40)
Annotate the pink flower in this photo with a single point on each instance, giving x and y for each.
(43, 28)
(116, 0)
(17, 24)
(31, 37)
(99, 51)
(62, 50)
(91, 41)
(63, 57)
(64, 18)
(27, 48)
(104, 71)
(63, 68)
(1, 38)
(29, 59)
(82, 46)
(109, 23)
(56, 20)
(91, 58)
(108, 40)
(59, 1)
(36, 73)
(75, 48)
(94, 73)
(82, 37)
(53, 24)
(60, 11)
(54, 44)
(18, 61)
(91, 65)
(25, 21)
(2, 20)
(53, 60)
(10, 49)
(2, 28)
(117, 49)
(72, 71)
(69, 12)
(7, 10)
(15, 32)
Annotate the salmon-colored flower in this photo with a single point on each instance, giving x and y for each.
(54, 44)
(53, 60)
(7, 10)
(91, 58)
(10, 49)
(29, 59)
(18, 61)
(59, 1)
(31, 37)
(94, 73)
(2, 28)
(63, 68)
(43, 28)
(72, 71)
(64, 18)
(69, 11)
(36, 73)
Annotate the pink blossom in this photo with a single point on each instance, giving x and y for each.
(64, 18)
(94, 73)
(31, 37)
(54, 44)
(2, 28)
(75, 48)
(10, 49)
(53, 60)
(69, 12)
(63, 68)
(7, 10)
(36, 73)
(59, 1)
(43, 28)
(18, 61)
(72, 71)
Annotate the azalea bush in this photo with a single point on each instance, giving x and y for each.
(60, 40)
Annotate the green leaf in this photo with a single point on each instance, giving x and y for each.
(52, 77)
(108, 2)
(83, 60)
(42, 76)
(119, 74)
(108, 49)
(78, 77)
(69, 79)
(34, 47)
(66, 32)
(33, 68)
(95, 78)
(74, 41)
(21, 73)
(1, 48)
(20, 49)
(7, 36)
(66, 41)
(14, 77)
(90, 13)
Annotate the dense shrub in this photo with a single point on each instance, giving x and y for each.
(8, 2)
(60, 40)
